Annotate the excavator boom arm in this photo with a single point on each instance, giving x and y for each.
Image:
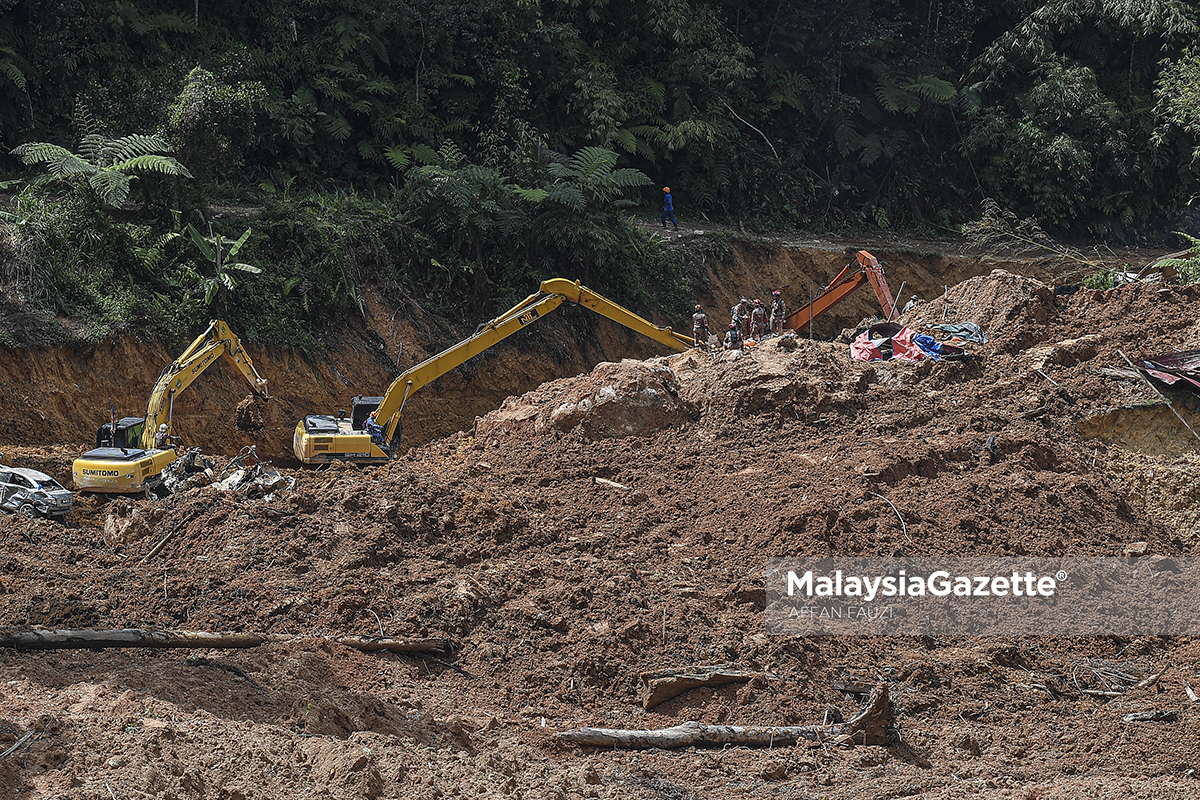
(216, 342)
(840, 288)
(581, 295)
(551, 294)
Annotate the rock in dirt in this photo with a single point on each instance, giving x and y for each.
(629, 398)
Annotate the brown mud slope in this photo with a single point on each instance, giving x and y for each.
(61, 396)
(615, 523)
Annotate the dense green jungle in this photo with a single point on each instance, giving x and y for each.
(162, 163)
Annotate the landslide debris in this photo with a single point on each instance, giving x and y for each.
(617, 523)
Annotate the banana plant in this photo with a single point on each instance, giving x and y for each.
(220, 250)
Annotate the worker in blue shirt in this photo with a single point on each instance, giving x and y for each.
(373, 427)
(668, 208)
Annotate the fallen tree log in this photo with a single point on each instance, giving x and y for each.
(868, 726)
(665, 685)
(87, 639)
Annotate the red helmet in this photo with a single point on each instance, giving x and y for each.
(733, 326)
(775, 293)
(697, 306)
(757, 302)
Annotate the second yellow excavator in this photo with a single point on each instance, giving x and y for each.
(361, 438)
(131, 452)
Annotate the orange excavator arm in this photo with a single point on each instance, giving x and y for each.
(845, 284)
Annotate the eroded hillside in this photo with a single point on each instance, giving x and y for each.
(599, 527)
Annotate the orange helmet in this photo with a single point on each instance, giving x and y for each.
(667, 189)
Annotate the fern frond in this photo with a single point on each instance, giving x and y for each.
(656, 90)
(530, 195)
(895, 99)
(39, 152)
(567, 195)
(175, 23)
(628, 177)
(136, 144)
(935, 90)
(870, 148)
(337, 126)
(625, 139)
(424, 154)
(70, 166)
(450, 154)
(398, 156)
(592, 160)
(164, 165)
(792, 89)
(111, 186)
(9, 70)
(378, 87)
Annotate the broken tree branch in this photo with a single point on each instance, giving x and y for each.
(158, 547)
(869, 726)
(45, 639)
(751, 127)
(17, 746)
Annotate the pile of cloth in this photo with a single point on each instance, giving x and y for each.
(962, 333)
(887, 340)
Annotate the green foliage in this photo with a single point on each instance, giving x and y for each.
(457, 152)
(212, 123)
(218, 250)
(72, 260)
(1178, 92)
(106, 166)
(1187, 268)
(1104, 279)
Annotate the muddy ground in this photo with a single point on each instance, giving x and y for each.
(597, 527)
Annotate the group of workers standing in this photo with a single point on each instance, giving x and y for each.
(746, 320)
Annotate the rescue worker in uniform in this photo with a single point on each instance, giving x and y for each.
(739, 314)
(160, 438)
(668, 208)
(733, 337)
(373, 427)
(699, 328)
(758, 320)
(778, 312)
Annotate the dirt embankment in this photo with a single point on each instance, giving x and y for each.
(61, 397)
(618, 522)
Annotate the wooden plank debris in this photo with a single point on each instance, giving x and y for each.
(88, 639)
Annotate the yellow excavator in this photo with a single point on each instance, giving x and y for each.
(364, 437)
(132, 452)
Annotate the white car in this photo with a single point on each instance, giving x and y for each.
(28, 493)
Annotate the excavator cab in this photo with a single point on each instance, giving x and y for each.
(361, 408)
(129, 433)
